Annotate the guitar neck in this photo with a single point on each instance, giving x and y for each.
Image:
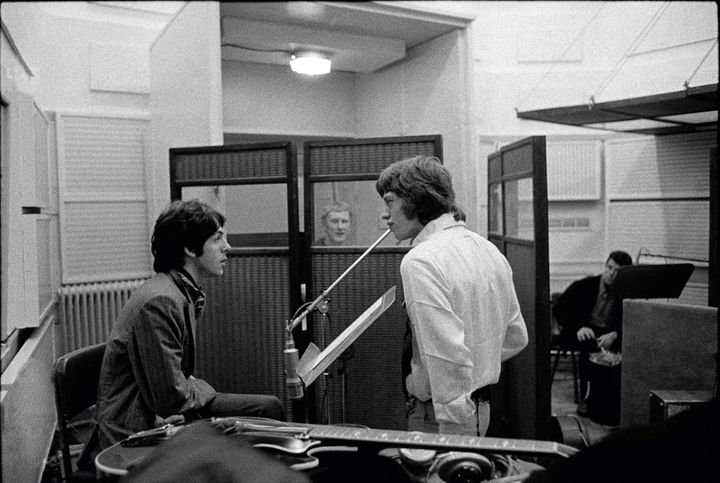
(406, 439)
(438, 441)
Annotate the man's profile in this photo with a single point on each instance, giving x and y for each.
(147, 377)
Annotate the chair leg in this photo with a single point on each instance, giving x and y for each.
(555, 364)
(576, 376)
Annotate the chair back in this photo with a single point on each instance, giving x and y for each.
(76, 380)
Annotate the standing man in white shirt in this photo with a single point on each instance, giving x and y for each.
(459, 295)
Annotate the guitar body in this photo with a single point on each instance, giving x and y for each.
(343, 453)
(570, 430)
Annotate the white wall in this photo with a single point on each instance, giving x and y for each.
(79, 42)
(28, 416)
(186, 103)
(531, 55)
(73, 51)
(271, 99)
(425, 94)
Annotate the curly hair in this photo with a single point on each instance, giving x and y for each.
(183, 224)
(424, 185)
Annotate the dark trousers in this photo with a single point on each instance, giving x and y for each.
(228, 404)
(586, 348)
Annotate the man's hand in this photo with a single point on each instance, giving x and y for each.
(172, 419)
(606, 340)
(586, 333)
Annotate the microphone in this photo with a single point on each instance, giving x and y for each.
(290, 353)
(294, 384)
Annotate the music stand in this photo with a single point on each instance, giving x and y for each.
(652, 281)
(314, 362)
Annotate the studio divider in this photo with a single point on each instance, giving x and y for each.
(273, 268)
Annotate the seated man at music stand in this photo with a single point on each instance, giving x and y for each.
(590, 309)
(147, 377)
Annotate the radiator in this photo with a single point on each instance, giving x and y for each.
(88, 310)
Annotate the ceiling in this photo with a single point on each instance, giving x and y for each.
(358, 36)
(690, 110)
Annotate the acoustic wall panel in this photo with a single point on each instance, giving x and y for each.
(199, 168)
(103, 197)
(370, 157)
(105, 241)
(659, 167)
(240, 339)
(672, 227)
(573, 170)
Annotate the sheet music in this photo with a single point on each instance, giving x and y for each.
(314, 362)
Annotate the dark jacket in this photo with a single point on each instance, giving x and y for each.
(574, 307)
(148, 362)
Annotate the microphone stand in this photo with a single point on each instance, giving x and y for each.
(292, 325)
(324, 308)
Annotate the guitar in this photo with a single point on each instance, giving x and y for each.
(300, 446)
(385, 437)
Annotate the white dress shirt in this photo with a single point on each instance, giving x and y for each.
(464, 315)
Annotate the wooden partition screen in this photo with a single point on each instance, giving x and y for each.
(240, 339)
(517, 214)
(365, 385)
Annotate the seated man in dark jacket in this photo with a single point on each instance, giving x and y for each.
(590, 312)
(147, 376)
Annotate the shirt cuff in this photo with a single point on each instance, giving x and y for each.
(459, 411)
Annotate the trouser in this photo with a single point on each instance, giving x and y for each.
(228, 404)
(586, 348)
(421, 417)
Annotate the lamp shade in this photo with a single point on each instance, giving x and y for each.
(310, 63)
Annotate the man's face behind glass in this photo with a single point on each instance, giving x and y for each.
(337, 227)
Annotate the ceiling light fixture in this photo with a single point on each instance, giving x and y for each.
(310, 63)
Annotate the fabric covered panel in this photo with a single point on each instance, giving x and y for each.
(230, 165)
(665, 347)
(240, 339)
(103, 198)
(372, 157)
(373, 379)
(105, 241)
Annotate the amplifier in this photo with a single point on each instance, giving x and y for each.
(666, 404)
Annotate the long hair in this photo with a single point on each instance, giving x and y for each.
(183, 224)
(423, 183)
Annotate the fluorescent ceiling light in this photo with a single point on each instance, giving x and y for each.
(310, 63)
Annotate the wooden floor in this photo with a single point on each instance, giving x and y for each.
(563, 401)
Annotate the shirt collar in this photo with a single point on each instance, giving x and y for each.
(193, 290)
(442, 222)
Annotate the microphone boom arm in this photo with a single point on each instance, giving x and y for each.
(291, 325)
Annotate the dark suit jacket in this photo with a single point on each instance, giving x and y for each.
(574, 307)
(148, 362)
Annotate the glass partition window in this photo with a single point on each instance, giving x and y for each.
(519, 217)
(495, 223)
(256, 214)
